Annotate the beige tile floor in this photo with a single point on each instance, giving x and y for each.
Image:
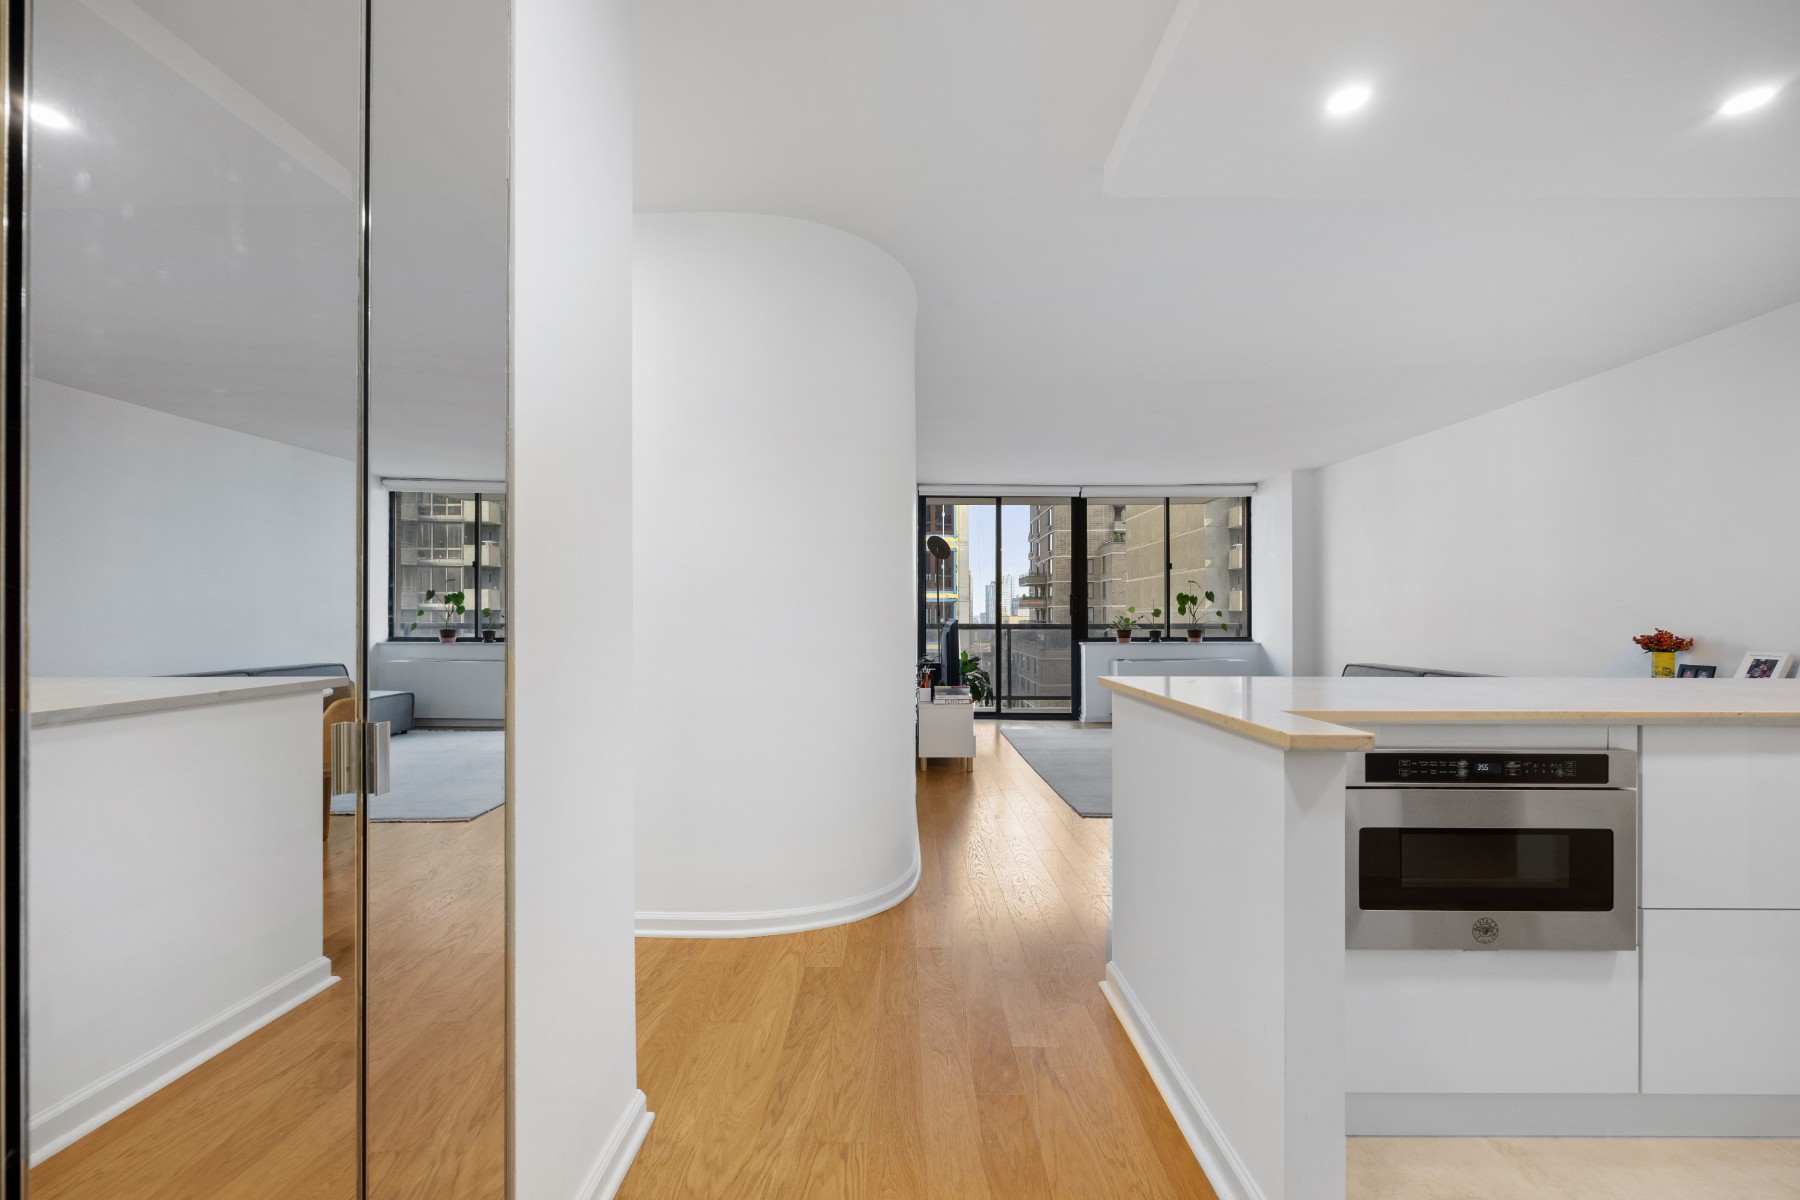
(1573, 1169)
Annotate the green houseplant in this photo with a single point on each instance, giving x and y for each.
(454, 600)
(1188, 604)
(1155, 620)
(981, 686)
(1123, 622)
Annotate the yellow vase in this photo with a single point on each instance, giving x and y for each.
(1662, 664)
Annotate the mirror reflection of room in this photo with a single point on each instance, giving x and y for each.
(191, 1001)
(438, 599)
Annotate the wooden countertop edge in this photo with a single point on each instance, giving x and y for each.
(73, 714)
(1342, 738)
(1345, 739)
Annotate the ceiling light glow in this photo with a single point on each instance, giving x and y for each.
(50, 118)
(1744, 102)
(1348, 99)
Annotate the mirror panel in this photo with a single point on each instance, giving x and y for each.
(437, 1033)
(193, 603)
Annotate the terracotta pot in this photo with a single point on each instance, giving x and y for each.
(446, 635)
(1195, 634)
(1124, 635)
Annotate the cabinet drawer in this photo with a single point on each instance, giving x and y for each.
(1721, 994)
(1530, 1021)
(1721, 816)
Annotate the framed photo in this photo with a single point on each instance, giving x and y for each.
(1765, 665)
(1696, 671)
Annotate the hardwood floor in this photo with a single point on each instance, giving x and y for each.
(956, 1046)
(273, 1117)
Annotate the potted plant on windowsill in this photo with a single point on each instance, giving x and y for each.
(1187, 604)
(452, 600)
(493, 623)
(1156, 625)
(1123, 622)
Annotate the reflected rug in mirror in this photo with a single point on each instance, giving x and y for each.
(439, 775)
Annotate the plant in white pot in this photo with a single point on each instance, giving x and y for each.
(1187, 604)
(454, 601)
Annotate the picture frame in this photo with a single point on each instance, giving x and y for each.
(1764, 664)
(1695, 671)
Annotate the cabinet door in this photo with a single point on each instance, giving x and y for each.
(1721, 1001)
(1721, 816)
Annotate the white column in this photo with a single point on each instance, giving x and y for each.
(775, 554)
(579, 1115)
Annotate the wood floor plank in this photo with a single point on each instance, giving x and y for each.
(956, 1047)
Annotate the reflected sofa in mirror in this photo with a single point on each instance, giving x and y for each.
(194, 223)
(438, 629)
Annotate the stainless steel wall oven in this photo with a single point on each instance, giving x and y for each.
(1492, 850)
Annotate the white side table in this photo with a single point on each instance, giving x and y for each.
(946, 730)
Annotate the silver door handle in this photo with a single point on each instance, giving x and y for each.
(365, 744)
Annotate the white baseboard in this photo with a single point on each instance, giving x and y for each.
(76, 1116)
(785, 920)
(1226, 1172)
(620, 1151)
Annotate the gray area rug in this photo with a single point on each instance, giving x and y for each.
(1076, 763)
(439, 775)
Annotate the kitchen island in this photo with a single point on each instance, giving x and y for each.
(175, 897)
(1272, 1041)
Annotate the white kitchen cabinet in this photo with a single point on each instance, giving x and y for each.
(1721, 1006)
(1721, 817)
(1532, 1021)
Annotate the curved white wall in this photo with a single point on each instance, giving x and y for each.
(773, 479)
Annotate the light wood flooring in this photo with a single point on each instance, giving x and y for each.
(273, 1117)
(956, 1046)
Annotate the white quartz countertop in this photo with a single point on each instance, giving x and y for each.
(63, 701)
(1316, 713)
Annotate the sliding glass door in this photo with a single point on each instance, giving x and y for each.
(1008, 583)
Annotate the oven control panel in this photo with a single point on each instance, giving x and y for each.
(1473, 768)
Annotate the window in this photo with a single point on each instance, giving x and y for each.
(1027, 577)
(1158, 550)
(442, 543)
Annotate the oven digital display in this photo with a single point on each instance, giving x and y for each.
(1452, 767)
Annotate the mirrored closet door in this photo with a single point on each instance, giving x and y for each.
(438, 564)
(192, 1001)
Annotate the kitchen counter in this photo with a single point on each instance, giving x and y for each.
(1273, 1042)
(64, 700)
(1321, 713)
(173, 904)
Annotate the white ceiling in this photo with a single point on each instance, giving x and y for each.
(1068, 333)
(193, 237)
(1477, 98)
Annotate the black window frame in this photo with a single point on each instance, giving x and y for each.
(1079, 601)
(393, 583)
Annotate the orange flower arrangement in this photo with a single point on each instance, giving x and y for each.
(1662, 641)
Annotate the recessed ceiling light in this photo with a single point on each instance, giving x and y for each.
(1743, 102)
(1348, 99)
(50, 118)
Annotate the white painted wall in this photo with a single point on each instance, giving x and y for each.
(1284, 608)
(774, 473)
(578, 1116)
(161, 545)
(1537, 539)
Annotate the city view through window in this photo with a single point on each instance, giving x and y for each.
(1027, 578)
(444, 543)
